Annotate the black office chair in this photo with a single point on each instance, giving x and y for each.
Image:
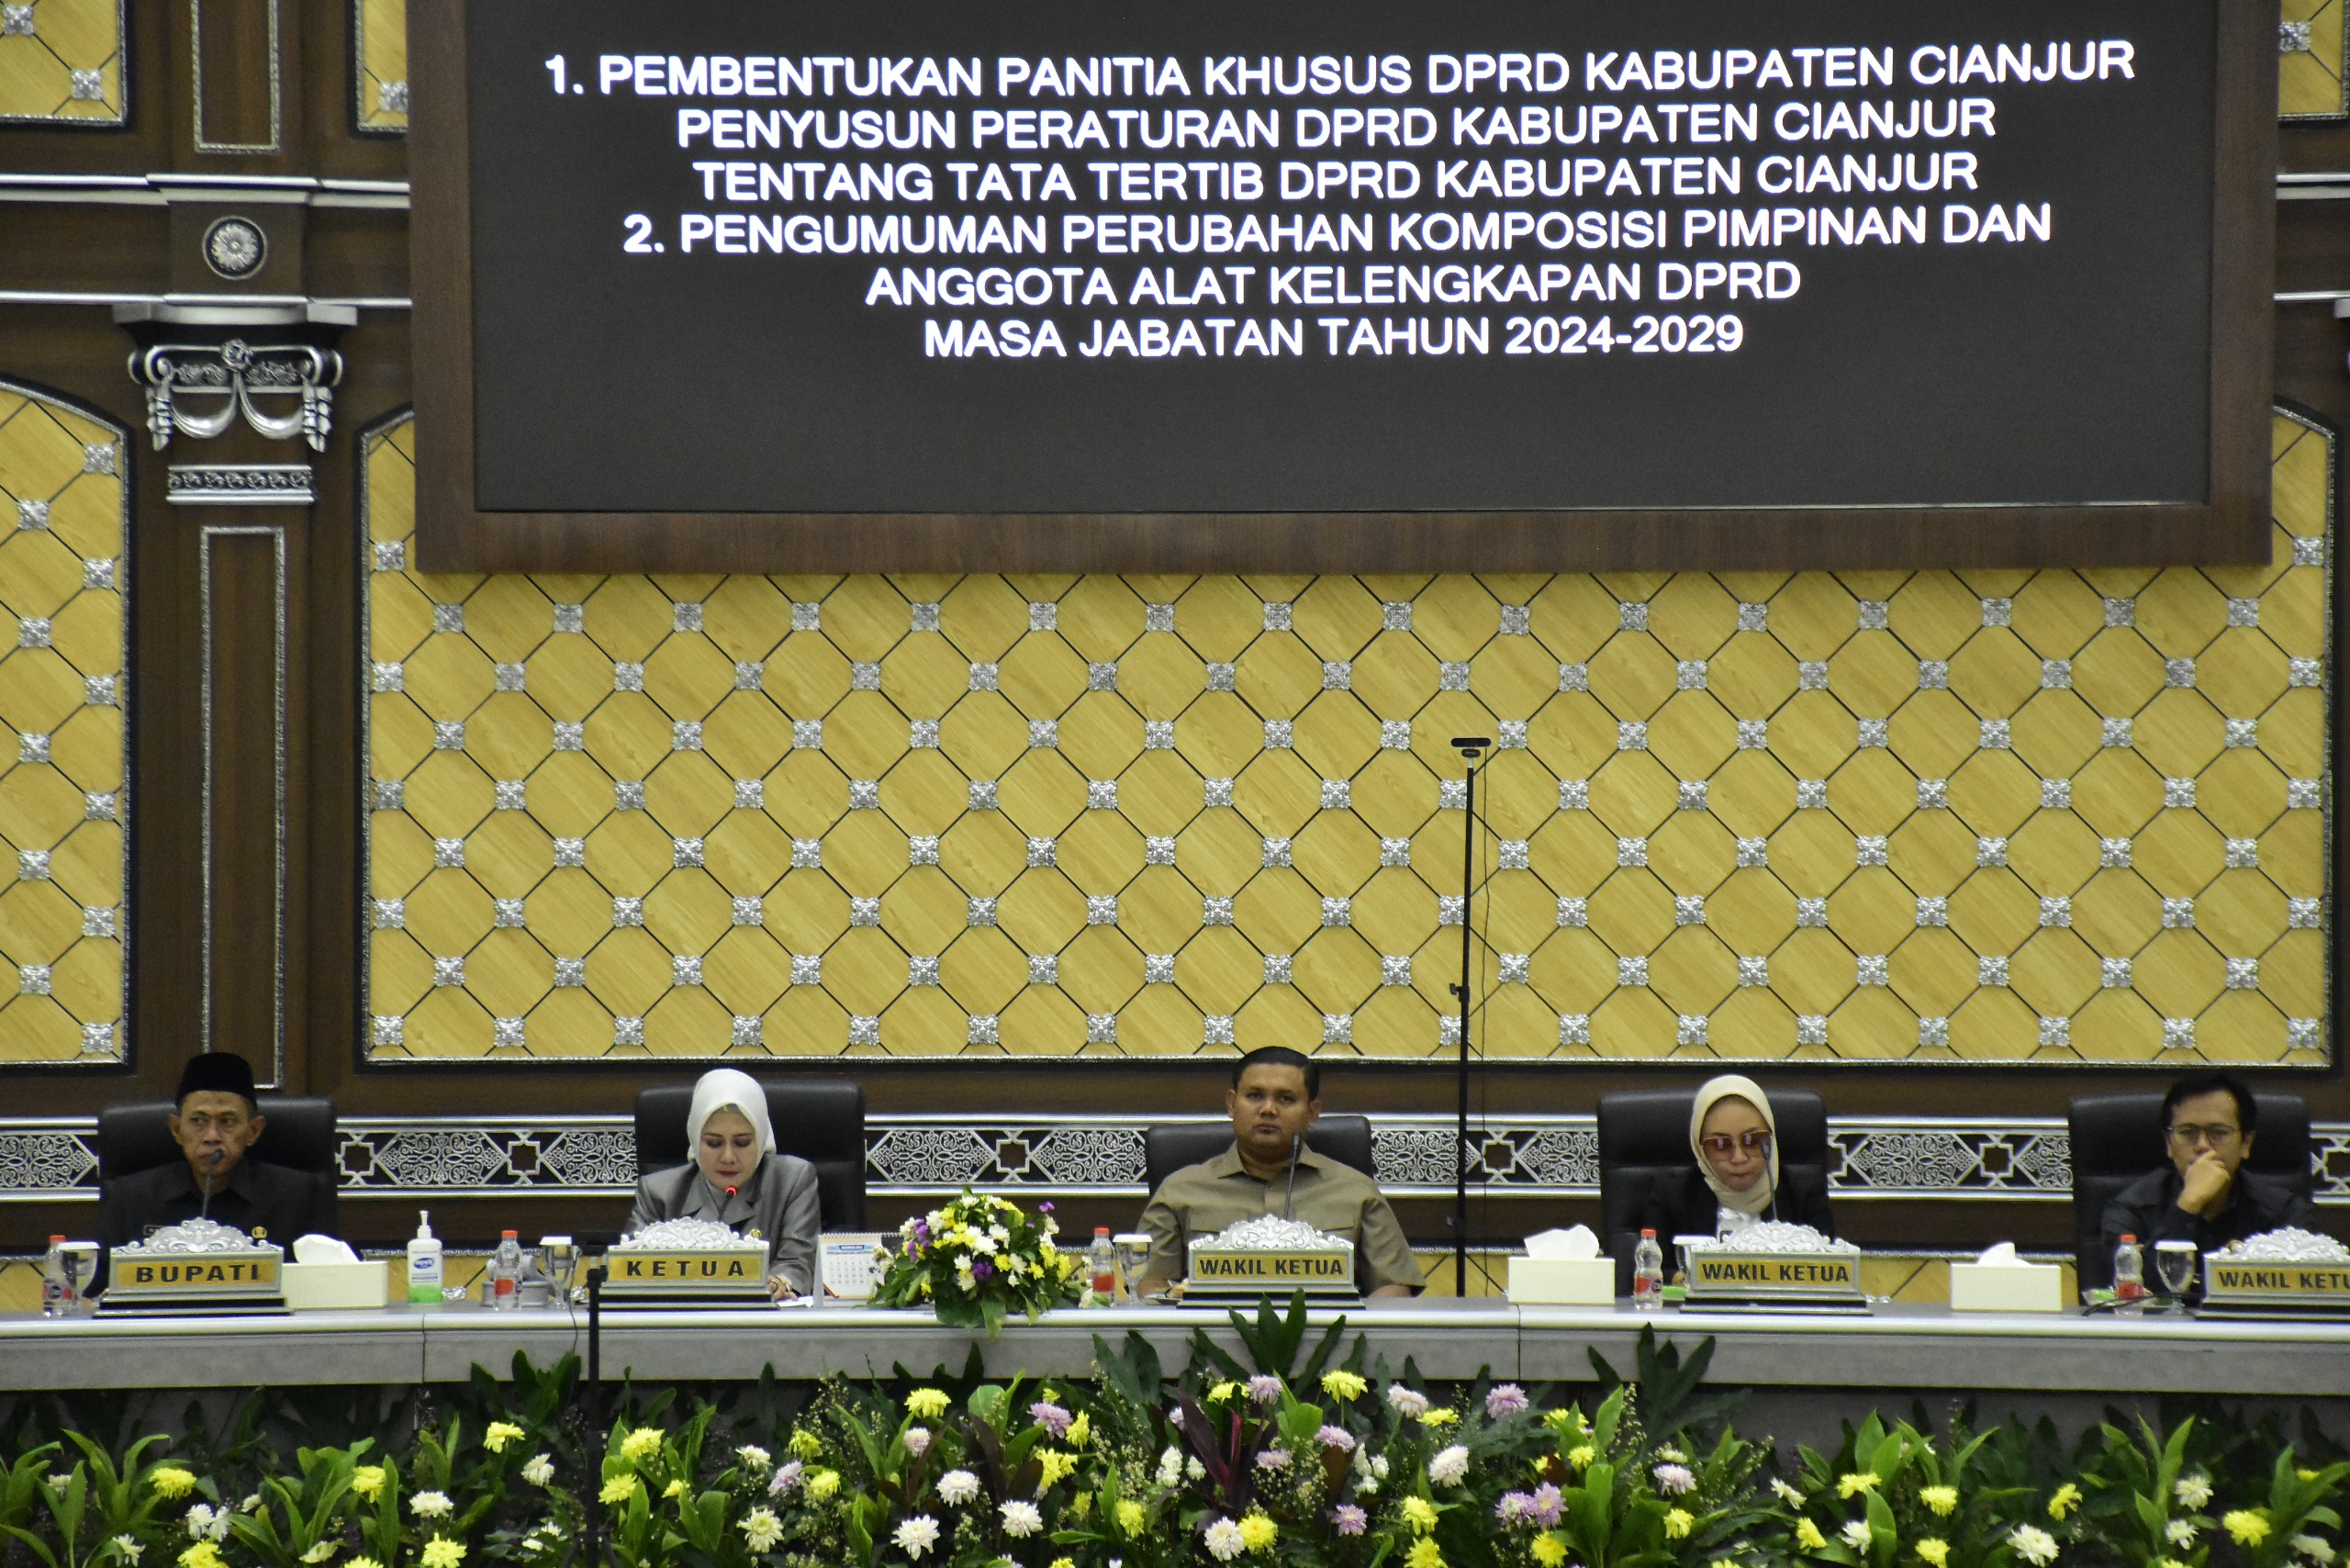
(300, 1137)
(1644, 1134)
(820, 1121)
(2117, 1138)
(1170, 1145)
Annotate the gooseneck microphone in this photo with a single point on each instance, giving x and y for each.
(1295, 1141)
(211, 1169)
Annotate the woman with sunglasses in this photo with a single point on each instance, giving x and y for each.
(1735, 1180)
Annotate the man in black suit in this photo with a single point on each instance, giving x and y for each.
(2204, 1195)
(215, 1124)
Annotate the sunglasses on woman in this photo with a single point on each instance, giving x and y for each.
(1722, 1143)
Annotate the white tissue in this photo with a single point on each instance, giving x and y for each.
(322, 1250)
(2002, 1256)
(1577, 1243)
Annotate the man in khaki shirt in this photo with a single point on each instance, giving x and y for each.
(1276, 1094)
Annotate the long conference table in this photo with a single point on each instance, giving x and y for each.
(1852, 1361)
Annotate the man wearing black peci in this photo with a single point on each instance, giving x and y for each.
(2204, 1195)
(216, 1123)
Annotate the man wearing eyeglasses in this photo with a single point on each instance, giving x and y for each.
(2204, 1195)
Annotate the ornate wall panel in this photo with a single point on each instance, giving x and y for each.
(62, 800)
(1972, 1159)
(62, 60)
(2311, 61)
(1993, 817)
(379, 66)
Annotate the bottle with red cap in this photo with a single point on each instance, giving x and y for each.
(2129, 1276)
(505, 1273)
(1648, 1273)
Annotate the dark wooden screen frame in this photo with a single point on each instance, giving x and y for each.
(452, 534)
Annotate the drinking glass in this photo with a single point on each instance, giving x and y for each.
(2175, 1265)
(1134, 1256)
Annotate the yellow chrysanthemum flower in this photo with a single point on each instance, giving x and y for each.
(1222, 1390)
(641, 1444)
(1934, 1552)
(1080, 1431)
(440, 1552)
(203, 1554)
(1440, 1417)
(1420, 1514)
(1257, 1531)
(1942, 1500)
(821, 1485)
(500, 1433)
(1807, 1536)
(1424, 1555)
(2064, 1500)
(1343, 1386)
(674, 1489)
(1133, 1518)
(805, 1445)
(617, 1490)
(1057, 1466)
(1855, 1481)
(2245, 1528)
(1549, 1550)
(1678, 1523)
(171, 1483)
(1581, 1455)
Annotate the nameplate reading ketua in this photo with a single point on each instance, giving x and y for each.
(733, 1270)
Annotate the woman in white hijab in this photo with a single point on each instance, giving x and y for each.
(1735, 1179)
(738, 1179)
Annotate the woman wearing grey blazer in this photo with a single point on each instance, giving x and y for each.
(738, 1179)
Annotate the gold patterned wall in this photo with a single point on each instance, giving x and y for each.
(2310, 70)
(1977, 817)
(63, 804)
(379, 29)
(62, 60)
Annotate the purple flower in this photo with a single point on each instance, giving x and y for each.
(1335, 1438)
(1273, 1459)
(982, 1269)
(1349, 1518)
(1673, 1478)
(1264, 1388)
(1512, 1507)
(787, 1478)
(1051, 1417)
(1547, 1506)
(1047, 1207)
(1505, 1399)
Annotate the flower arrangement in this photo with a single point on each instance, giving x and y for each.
(1293, 1461)
(977, 1261)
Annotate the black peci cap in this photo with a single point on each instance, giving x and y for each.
(216, 1072)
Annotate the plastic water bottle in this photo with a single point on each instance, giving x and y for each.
(1648, 1273)
(1102, 1263)
(505, 1290)
(2129, 1276)
(54, 1291)
(424, 1264)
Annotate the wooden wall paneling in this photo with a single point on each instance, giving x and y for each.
(247, 715)
(237, 67)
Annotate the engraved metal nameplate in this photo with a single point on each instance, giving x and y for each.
(1721, 1271)
(730, 1270)
(2275, 1283)
(144, 1276)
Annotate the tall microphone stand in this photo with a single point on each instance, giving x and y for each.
(1470, 748)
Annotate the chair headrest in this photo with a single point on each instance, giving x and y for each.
(1651, 1127)
(300, 1135)
(819, 1120)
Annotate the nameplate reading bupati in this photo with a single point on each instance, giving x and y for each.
(193, 1276)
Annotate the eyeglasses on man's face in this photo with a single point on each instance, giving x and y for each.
(1722, 1143)
(2189, 1133)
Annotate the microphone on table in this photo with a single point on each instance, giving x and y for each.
(211, 1168)
(730, 1194)
(1296, 1139)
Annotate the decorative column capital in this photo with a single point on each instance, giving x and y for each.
(203, 367)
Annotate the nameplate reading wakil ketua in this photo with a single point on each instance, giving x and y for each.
(2282, 1271)
(1269, 1255)
(1774, 1273)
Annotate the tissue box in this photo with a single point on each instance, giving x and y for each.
(1576, 1282)
(317, 1287)
(2005, 1287)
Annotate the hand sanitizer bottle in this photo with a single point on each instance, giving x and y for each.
(424, 1264)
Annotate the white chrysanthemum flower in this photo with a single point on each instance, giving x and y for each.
(431, 1505)
(1224, 1540)
(1450, 1467)
(1021, 1519)
(1857, 1534)
(1171, 1467)
(958, 1487)
(2033, 1544)
(761, 1530)
(540, 1471)
(919, 1534)
(2192, 1489)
